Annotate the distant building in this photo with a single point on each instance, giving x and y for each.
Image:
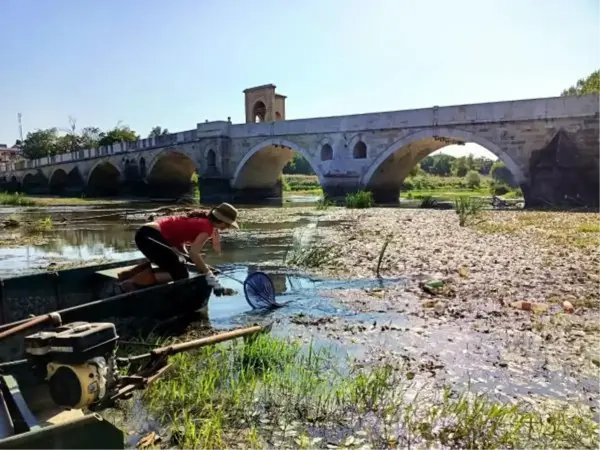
(9, 154)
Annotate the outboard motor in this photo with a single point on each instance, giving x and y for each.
(77, 360)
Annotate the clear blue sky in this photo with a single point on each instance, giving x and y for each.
(151, 62)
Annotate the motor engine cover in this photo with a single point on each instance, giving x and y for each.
(73, 344)
(78, 385)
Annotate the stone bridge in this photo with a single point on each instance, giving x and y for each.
(550, 145)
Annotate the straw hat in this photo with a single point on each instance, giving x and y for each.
(226, 213)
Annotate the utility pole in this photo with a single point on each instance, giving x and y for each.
(19, 115)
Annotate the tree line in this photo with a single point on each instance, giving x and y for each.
(52, 141)
(587, 85)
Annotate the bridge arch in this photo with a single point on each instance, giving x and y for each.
(262, 166)
(103, 179)
(14, 185)
(60, 180)
(390, 168)
(34, 183)
(170, 173)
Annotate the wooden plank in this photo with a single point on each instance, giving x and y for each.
(115, 271)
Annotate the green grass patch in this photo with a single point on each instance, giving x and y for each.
(468, 210)
(310, 256)
(452, 187)
(17, 199)
(301, 183)
(444, 194)
(360, 199)
(44, 225)
(267, 392)
(589, 228)
(323, 204)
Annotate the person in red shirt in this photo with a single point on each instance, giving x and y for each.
(175, 232)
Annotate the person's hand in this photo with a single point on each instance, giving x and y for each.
(212, 281)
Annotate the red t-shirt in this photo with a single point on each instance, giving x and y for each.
(179, 230)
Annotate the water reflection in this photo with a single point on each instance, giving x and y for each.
(113, 239)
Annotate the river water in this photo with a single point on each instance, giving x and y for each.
(258, 246)
(468, 357)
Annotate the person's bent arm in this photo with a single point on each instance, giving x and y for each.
(196, 255)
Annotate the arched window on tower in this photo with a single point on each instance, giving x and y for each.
(211, 159)
(360, 150)
(326, 153)
(259, 112)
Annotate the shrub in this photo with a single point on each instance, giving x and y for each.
(468, 209)
(473, 180)
(499, 189)
(360, 199)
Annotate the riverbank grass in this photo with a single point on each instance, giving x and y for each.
(580, 230)
(360, 199)
(272, 392)
(16, 199)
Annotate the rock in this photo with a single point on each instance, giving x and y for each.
(594, 277)
(11, 223)
(429, 303)
(529, 306)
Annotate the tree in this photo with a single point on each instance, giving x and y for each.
(90, 137)
(41, 143)
(501, 174)
(18, 144)
(158, 131)
(416, 171)
(473, 179)
(298, 165)
(587, 85)
(70, 142)
(442, 165)
(117, 134)
(460, 167)
(483, 165)
(470, 161)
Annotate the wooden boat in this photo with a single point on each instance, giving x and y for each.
(89, 294)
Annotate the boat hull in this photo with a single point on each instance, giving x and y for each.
(88, 294)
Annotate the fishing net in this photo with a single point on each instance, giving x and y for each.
(259, 291)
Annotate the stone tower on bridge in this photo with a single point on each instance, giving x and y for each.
(263, 104)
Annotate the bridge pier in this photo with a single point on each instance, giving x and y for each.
(67, 190)
(565, 172)
(36, 189)
(268, 196)
(168, 190)
(214, 190)
(386, 195)
(102, 191)
(217, 190)
(335, 188)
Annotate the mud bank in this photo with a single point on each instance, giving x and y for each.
(470, 331)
